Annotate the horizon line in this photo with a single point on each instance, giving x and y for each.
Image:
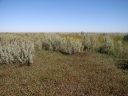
(61, 32)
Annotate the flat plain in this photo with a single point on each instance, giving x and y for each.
(58, 71)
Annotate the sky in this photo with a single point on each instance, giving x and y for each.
(63, 15)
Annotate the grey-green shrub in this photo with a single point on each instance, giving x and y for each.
(51, 41)
(16, 50)
(89, 42)
(108, 45)
(36, 38)
(111, 48)
(37, 42)
(118, 46)
(118, 49)
(73, 46)
(64, 45)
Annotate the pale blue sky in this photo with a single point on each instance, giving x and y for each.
(63, 15)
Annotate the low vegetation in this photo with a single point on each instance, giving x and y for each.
(14, 50)
(63, 64)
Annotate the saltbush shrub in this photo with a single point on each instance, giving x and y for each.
(14, 50)
(89, 42)
(73, 46)
(108, 46)
(36, 38)
(64, 45)
(111, 48)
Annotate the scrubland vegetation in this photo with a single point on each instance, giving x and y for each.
(63, 64)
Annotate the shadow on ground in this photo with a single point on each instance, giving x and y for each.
(122, 65)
